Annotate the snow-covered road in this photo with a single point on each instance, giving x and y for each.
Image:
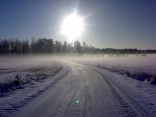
(84, 92)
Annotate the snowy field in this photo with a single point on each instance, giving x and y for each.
(132, 64)
(27, 81)
(24, 78)
(135, 83)
(23, 65)
(130, 61)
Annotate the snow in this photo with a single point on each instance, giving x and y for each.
(33, 81)
(142, 92)
(134, 65)
(63, 86)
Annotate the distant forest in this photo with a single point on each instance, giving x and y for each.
(44, 45)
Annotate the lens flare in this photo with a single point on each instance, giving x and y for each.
(77, 101)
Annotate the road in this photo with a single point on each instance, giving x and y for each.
(83, 92)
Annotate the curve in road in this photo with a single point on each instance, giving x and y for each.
(83, 92)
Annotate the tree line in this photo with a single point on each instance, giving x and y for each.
(47, 45)
(41, 46)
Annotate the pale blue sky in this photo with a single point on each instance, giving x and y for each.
(109, 23)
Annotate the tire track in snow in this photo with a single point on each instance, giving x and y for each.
(97, 96)
(68, 106)
(129, 105)
(95, 101)
(16, 106)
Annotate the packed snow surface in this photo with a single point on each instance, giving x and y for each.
(75, 87)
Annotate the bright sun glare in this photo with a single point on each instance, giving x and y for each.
(72, 26)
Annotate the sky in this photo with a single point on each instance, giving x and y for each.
(107, 23)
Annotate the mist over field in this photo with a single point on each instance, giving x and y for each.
(77, 58)
(49, 78)
(78, 81)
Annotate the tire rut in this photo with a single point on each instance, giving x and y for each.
(129, 105)
(16, 106)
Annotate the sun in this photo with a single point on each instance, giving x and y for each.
(72, 26)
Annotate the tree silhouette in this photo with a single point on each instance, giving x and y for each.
(45, 45)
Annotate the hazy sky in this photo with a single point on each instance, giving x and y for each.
(108, 23)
